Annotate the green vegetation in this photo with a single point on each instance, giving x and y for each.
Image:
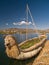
(31, 43)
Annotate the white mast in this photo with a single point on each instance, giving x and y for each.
(26, 21)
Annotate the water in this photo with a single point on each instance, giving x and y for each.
(47, 36)
(22, 37)
(4, 60)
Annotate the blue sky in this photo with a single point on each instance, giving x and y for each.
(14, 11)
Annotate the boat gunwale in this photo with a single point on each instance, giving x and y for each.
(34, 46)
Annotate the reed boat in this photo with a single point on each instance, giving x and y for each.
(15, 51)
(26, 49)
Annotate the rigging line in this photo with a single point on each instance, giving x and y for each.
(27, 12)
(33, 22)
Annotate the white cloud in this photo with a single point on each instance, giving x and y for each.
(6, 23)
(26, 23)
(14, 23)
(21, 23)
(33, 24)
(30, 23)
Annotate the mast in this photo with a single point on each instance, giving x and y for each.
(26, 21)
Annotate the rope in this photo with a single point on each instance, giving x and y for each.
(33, 22)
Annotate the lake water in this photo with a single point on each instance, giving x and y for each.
(4, 60)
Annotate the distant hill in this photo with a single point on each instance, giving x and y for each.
(21, 30)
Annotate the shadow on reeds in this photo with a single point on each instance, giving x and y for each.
(23, 62)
